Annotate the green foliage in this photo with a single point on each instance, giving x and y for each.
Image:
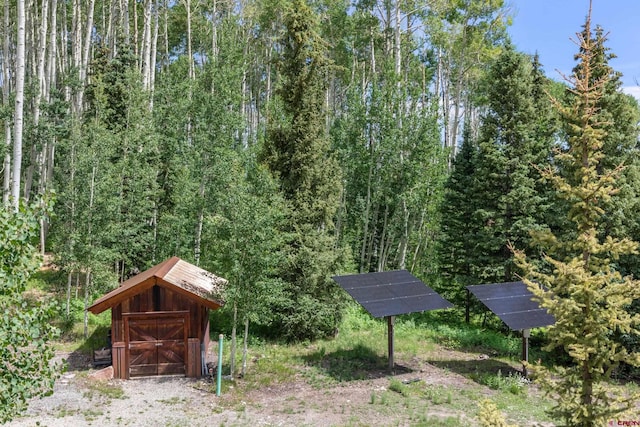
(26, 353)
(456, 244)
(397, 386)
(583, 289)
(107, 186)
(490, 415)
(246, 238)
(512, 383)
(492, 196)
(297, 152)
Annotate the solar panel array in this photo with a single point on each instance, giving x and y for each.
(391, 293)
(512, 302)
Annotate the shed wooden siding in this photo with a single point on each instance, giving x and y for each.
(168, 301)
(154, 297)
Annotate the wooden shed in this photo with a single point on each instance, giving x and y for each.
(160, 320)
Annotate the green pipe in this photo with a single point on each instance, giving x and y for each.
(219, 364)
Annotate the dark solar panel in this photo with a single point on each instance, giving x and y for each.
(391, 293)
(512, 302)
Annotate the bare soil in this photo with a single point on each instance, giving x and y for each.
(80, 400)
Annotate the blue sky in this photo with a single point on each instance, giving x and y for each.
(547, 26)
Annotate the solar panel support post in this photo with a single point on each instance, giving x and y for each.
(526, 333)
(390, 322)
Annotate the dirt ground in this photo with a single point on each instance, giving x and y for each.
(80, 400)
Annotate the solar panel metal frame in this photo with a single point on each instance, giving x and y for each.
(391, 293)
(513, 303)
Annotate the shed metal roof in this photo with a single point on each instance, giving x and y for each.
(174, 273)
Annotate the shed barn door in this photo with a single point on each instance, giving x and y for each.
(157, 344)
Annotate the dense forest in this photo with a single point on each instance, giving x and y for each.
(279, 142)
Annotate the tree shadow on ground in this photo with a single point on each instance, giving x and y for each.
(353, 364)
(482, 371)
(81, 359)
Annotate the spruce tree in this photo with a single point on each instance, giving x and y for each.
(619, 115)
(493, 197)
(510, 147)
(581, 287)
(297, 152)
(455, 244)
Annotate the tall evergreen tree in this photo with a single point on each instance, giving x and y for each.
(456, 243)
(581, 287)
(620, 116)
(502, 200)
(297, 151)
(509, 149)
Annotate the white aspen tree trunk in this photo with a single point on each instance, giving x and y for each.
(90, 236)
(365, 226)
(187, 4)
(422, 238)
(69, 281)
(245, 107)
(199, 224)
(214, 32)
(51, 80)
(268, 88)
(86, 304)
(165, 15)
(245, 345)
(124, 24)
(201, 193)
(31, 39)
(404, 240)
(373, 54)
(64, 53)
(86, 53)
(455, 120)
(234, 340)
(192, 74)
(103, 21)
(28, 174)
(146, 45)
(111, 27)
(19, 105)
(136, 47)
(6, 185)
(155, 233)
(6, 89)
(437, 83)
(382, 249)
(42, 94)
(397, 54)
(154, 54)
(74, 194)
(41, 55)
(76, 46)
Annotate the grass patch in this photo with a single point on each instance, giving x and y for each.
(91, 414)
(397, 386)
(511, 383)
(175, 400)
(105, 389)
(359, 353)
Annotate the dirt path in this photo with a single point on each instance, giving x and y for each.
(79, 400)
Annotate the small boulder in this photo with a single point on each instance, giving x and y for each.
(102, 374)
